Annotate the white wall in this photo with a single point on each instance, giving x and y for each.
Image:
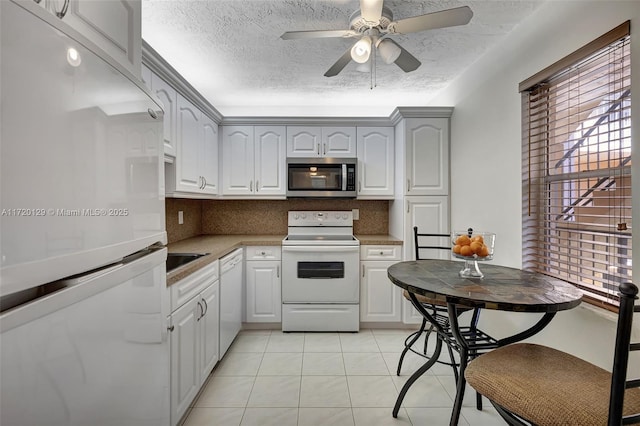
(486, 150)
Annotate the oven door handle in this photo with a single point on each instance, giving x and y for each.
(322, 249)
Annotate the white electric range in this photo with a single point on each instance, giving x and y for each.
(320, 283)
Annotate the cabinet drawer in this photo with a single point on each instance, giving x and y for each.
(185, 289)
(381, 252)
(263, 253)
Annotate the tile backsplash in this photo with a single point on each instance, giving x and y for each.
(227, 217)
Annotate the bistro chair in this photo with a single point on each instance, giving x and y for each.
(440, 325)
(534, 384)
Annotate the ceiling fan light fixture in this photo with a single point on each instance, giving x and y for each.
(389, 51)
(361, 51)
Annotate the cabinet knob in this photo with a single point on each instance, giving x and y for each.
(171, 328)
(381, 253)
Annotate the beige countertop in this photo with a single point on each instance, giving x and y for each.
(220, 245)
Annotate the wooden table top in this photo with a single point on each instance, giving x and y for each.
(502, 288)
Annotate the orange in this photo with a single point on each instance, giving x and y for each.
(463, 240)
(478, 238)
(476, 246)
(456, 249)
(483, 252)
(466, 251)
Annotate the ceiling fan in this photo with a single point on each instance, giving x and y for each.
(373, 24)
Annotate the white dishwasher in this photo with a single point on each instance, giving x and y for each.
(230, 299)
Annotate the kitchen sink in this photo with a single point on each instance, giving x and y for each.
(175, 260)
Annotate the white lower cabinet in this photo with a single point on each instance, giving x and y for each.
(380, 299)
(194, 336)
(264, 283)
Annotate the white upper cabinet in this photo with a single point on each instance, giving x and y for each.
(237, 156)
(113, 25)
(209, 157)
(338, 142)
(188, 177)
(169, 98)
(303, 141)
(427, 156)
(375, 162)
(253, 160)
(310, 141)
(197, 151)
(269, 160)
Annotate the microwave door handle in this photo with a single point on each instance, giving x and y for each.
(344, 177)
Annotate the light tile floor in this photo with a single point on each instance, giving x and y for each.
(334, 379)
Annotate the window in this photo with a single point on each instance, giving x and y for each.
(577, 168)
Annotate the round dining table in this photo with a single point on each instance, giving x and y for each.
(502, 288)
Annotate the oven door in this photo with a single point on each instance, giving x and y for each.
(320, 274)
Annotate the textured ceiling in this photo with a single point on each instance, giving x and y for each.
(231, 52)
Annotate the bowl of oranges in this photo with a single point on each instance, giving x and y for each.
(472, 247)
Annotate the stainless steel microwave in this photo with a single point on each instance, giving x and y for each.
(321, 177)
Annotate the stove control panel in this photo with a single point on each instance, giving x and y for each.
(320, 218)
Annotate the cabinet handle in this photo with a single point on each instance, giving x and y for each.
(278, 271)
(201, 311)
(362, 271)
(250, 186)
(152, 113)
(257, 185)
(63, 12)
(37, 1)
(204, 184)
(359, 186)
(318, 148)
(407, 207)
(324, 149)
(171, 328)
(408, 185)
(206, 307)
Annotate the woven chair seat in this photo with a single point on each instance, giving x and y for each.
(546, 386)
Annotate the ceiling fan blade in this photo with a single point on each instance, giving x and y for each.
(406, 61)
(430, 21)
(371, 10)
(292, 35)
(339, 65)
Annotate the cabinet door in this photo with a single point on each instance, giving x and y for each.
(430, 215)
(209, 329)
(238, 161)
(338, 142)
(375, 162)
(185, 371)
(303, 141)
(115, 26)
(380, 299)
(264, 302)
(169, 98)
(427, 156)
(270, 166)
(188, 177)
(209, 155)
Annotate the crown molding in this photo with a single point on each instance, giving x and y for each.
(164, 70)
(419, 112)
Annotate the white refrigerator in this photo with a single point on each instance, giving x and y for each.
(83, 301)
